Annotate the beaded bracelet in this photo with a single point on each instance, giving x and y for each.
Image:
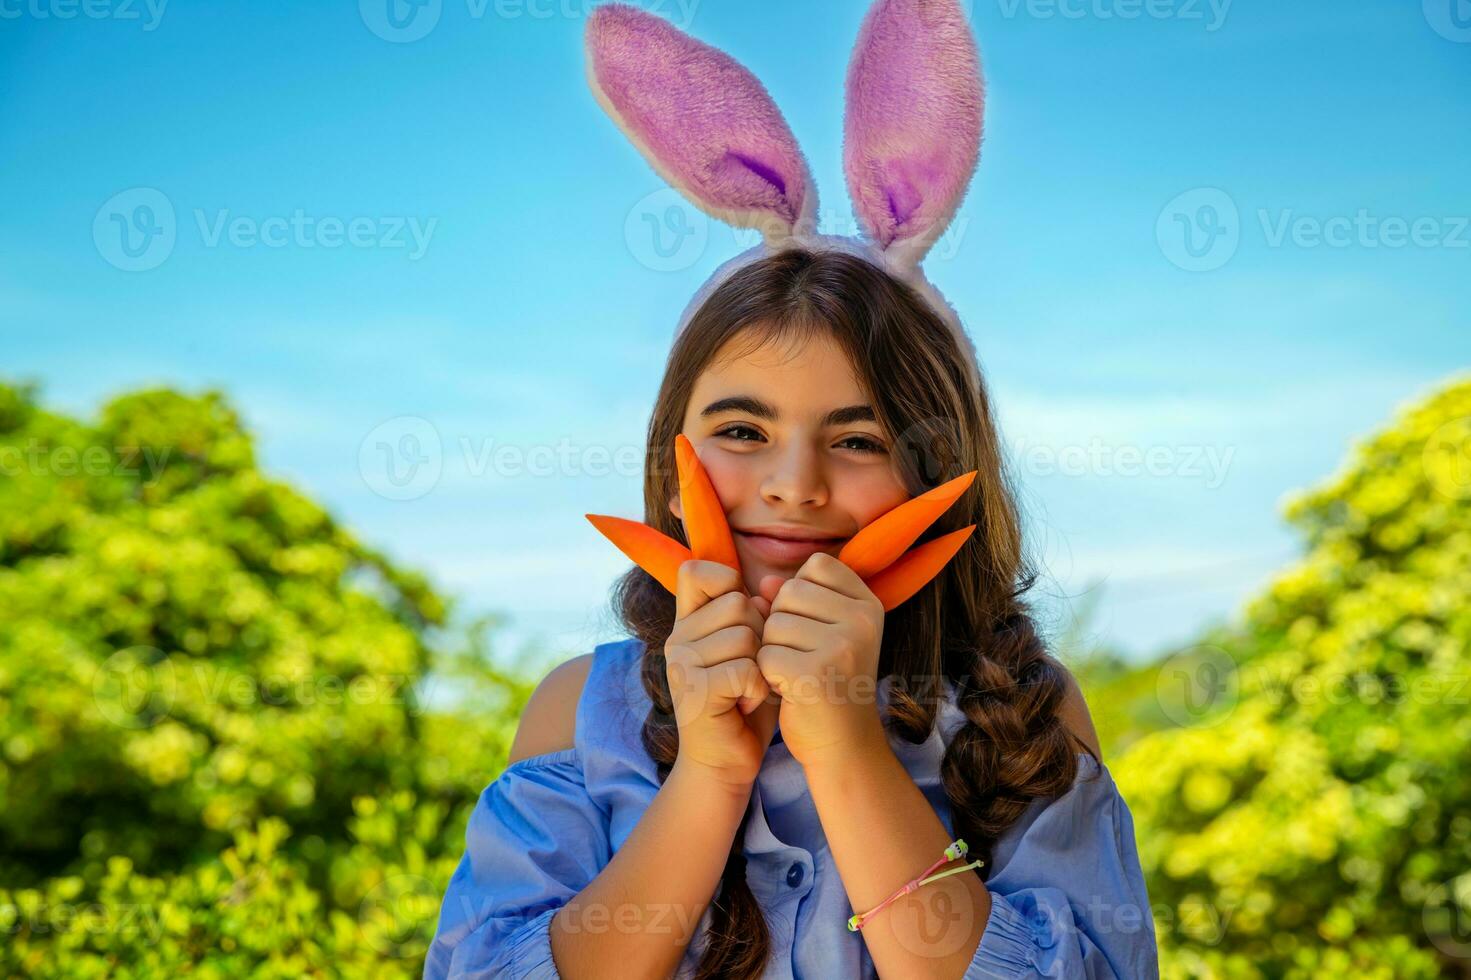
(954, 852)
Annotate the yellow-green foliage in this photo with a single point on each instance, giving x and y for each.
(216, 757)
(216, 752)
(1315, 820)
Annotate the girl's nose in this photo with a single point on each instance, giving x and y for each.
(796, 478)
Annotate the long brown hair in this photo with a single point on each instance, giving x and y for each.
(970, 626)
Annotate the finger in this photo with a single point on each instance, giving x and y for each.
(790, 630)
(824, 569)
(806, 598)
(781, 666)
(731, 643)
(763, 720)
(757, 693)
(763, 605)
(730, 609)
(769, 586)
(772, 698)
(715, 691)
(734, 683)
(700, 581)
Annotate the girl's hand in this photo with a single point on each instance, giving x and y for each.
(724, 709)
(820, 652)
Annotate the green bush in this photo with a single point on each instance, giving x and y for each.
(219, 754)
(217, 750)
(1304, 810)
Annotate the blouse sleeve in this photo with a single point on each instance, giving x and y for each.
(535, 839)
(1069, 899)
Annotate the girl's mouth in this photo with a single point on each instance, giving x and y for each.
(786, 550)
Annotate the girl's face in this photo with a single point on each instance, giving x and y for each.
(791, 443)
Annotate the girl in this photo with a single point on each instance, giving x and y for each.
(770, 752)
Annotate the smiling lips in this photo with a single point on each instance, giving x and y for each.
(782, 546)
(877, 552)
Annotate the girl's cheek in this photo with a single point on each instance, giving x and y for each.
(869, 499)
(730, 476)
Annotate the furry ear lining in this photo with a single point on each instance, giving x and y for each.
(912, 124)
(703, 121)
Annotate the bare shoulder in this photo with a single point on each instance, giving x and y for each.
(550, 718)
(1076, 718)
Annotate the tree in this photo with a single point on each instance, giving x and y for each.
(1309, 814)
(215, 749)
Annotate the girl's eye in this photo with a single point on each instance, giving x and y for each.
(863, 444)
(731, 433)
(744, 433)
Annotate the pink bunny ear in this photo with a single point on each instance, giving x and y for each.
(703, 121)
(912, 129)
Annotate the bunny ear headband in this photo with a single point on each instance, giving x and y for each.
(912, 136)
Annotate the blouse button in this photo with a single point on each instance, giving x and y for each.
(794, 874)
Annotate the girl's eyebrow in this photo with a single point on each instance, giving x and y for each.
(762, 410)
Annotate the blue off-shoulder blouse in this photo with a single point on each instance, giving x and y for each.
(1068, 895)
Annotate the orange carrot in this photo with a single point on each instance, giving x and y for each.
(658, 554)
(704, 517)
(912, 572)
(878, 545)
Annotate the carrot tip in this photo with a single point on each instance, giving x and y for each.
(917, 568)
(705, 523)
(880, 544)
(654, 552)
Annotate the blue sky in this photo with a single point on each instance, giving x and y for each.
(1225, 238)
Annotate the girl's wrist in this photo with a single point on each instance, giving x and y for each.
(855, 750)
(710, 780)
